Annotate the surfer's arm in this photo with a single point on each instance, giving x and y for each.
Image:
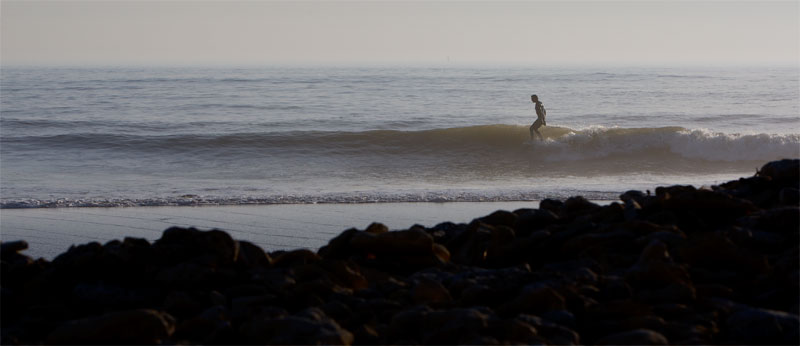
(544, 114)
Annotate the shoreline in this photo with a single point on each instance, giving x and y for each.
(78, 204)
(716, 265)
(268, 226)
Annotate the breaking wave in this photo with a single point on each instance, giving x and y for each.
(494, 141)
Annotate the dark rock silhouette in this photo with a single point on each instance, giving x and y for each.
(682, 266)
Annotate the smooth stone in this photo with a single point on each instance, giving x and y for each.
(251, 255)
(783, 170)
(500, 218)
(141, 326)
(310, 326)
(430, 292)
(181, 244)
(762, 326)
(634, 337)
(534, 298)
(12, 247)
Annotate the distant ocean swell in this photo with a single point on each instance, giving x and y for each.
(497, 141)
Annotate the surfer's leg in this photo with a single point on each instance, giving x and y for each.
(535, 128)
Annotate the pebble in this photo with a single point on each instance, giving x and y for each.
(686, 266)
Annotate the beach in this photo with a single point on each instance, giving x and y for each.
(683, 265)
(51, 231)
(399, 205)
(399, 173)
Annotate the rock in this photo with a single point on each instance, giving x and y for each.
(443, 232)
(651, 322)
(10, 247)
(596, 242)
(345, 273)
(643, 200)
(672, 239)
(534, 298)
(455, 326)
(211, 326)
(406, 325)
(718, 253)
(141, 326)
(499, 247)
(613, 288)
(614, 310)
(376, 228)
(554, 206)
(81, 262)
(517, 331)
(677, 292)
(398, 242)
(186, 275)
(561, 317)
(634, 337)
(9, 253)
(761, 326)
(783, 220)
(309, 327)
(531, 220)
(707, 291)
(251, 255)
(582, 275)
(183, 244)
(667, 192)
(687, 266)
(789, 196)
(655, 269)
(632, 210)
(469, 247)
(500, 218)
(690, 333)
(247, 307)
(295, 258)
(633, 195)
(697, 209)
(671, 310)
(365, 334)
(430, 292)
(337, 310)
(98, 297)
(554, 334)
(579, 204)
(613, 212)
(399, 251)
(441, 253)
(784, 170)
(339, 246)
(182, 305)
(655, 251)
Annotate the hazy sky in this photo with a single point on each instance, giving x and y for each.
(532, 32)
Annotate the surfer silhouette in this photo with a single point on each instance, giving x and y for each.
(540, 114)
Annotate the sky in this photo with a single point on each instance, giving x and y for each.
(380, 32)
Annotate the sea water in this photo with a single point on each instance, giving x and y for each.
(275, 135)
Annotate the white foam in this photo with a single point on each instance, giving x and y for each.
(602, 142)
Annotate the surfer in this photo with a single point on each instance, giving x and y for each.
(540, 114)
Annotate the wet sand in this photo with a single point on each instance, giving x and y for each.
(273, 227)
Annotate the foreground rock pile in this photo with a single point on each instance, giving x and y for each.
(682, 266)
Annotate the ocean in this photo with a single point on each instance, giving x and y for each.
(148, 136)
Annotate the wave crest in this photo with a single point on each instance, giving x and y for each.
(484, 141)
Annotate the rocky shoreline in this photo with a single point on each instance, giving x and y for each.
(681, 266)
